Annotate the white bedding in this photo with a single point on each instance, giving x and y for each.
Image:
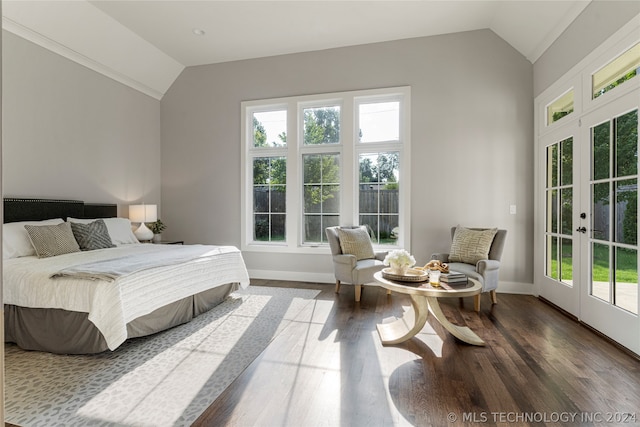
(112, 304)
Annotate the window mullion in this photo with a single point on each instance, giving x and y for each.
(294, 173)
(349, 172)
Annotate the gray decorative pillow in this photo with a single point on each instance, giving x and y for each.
(52, 240)
(356, 241)
(92, 236)
(470, 246)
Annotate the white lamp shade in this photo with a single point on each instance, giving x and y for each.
(143, 213)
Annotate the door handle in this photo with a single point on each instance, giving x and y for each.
(582, 229)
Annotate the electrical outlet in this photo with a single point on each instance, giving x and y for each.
(512, 209)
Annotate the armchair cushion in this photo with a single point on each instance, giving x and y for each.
(356, 241)
(470, 246)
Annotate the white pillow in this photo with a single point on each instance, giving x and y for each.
(15, 239)
(119, 229)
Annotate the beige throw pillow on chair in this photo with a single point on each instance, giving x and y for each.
(470, 246)
(356, 241)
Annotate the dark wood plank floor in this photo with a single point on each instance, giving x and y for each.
(329, 369)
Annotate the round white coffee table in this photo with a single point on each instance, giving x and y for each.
(424, 300)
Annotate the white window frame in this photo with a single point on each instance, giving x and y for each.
(348, 148)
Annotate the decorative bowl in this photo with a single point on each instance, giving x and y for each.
(412, 275)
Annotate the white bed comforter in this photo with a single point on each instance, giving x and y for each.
(112, 304)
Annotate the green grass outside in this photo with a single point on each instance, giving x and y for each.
(627, 264)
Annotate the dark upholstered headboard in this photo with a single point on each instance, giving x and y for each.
(17, 209)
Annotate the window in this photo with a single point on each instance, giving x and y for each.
(269, 198)
(559, 108)
(270, 128)
(378, 195)
(317, 161)
(321, 193)
(321, 125)
(269, 175)
(623, 68)
(379, 121)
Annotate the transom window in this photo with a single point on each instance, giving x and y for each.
(317, 161)
(560, 108)
(623, 68)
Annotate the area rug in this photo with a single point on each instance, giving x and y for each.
(167, 379)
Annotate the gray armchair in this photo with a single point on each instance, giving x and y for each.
(349, 270)
(485, 271)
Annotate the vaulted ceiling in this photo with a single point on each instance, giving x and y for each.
(146, 44)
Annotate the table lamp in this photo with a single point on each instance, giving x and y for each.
(142, 214)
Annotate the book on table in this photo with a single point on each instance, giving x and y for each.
(453, 277)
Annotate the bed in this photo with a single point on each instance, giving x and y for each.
(92, 300)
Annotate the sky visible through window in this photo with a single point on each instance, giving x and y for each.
(274, 123)
(379, 121)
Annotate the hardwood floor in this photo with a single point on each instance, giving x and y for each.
(329, 369)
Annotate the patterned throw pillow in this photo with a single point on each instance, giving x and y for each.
(52, 240)
(92, 236)
(470, 246)
(356, 241)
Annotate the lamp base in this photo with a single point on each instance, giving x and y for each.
(143, 233)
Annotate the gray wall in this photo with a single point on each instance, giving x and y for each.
(590, 29)
(472, 109)
(70, 132)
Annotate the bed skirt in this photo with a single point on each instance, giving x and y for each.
(70, 332)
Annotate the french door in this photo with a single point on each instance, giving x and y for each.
(588, 195)
(560, 278)
(609, 196)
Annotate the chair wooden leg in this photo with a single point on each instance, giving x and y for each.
(358, 292)
(494, 296)
(337, 286)
(388, 291)
(476, 302)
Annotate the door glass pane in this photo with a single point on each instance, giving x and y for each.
(601, 152)
(549, 212)
(623, 68)
(552, 165)
(560, 107)
(554, 211)
(270, 129)
(322, 125)
(552, 260)
(600, 211)
(566, 166)
(626, 290)
(600, 271)
(379, 121)
(626, 142)
(566, 260)
(626, 208)
(566, 211)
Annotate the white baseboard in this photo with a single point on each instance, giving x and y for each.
(294, 276)
(516, 288)
(329, 278)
